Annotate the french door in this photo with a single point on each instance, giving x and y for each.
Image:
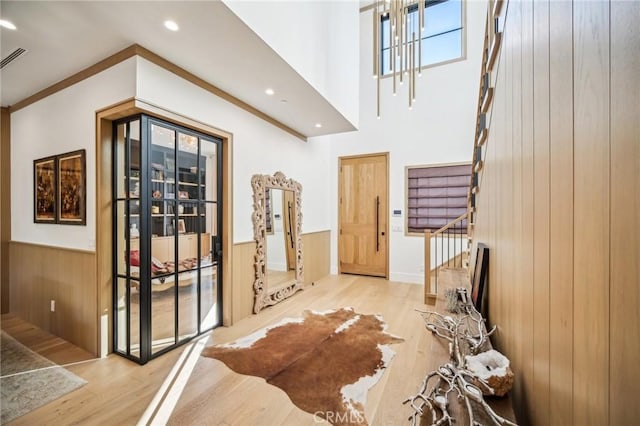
(166, 236)
(363, 212)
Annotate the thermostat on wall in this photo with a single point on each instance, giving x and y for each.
(397, 213)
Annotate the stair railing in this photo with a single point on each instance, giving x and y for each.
(449, 246)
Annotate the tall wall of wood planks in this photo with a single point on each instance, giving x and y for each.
(559, 207)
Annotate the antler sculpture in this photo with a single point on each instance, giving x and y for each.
(465, 335)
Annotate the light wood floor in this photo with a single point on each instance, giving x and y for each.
(119, 391)
(49, 346)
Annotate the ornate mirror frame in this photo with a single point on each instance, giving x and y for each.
(263, 295)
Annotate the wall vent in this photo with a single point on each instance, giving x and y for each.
(12, 57)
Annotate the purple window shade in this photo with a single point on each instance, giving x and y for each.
(436, 196)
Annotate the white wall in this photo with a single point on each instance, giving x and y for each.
(258, 147)
(62, 122)
(318, 38)
(439, 129)
(65, 122)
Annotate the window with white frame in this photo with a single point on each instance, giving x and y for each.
(442, 37)
(436, 195)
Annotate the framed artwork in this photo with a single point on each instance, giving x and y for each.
(480, 274)
(44, 190)
(72, 188)
(182, 229)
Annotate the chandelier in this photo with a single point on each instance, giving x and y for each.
(398, 28)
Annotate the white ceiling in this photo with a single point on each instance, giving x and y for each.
(63, 38)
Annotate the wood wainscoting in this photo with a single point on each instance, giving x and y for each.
(243, 277)
(40, 274)
(317, 255)
(5, 205)
(317, 248)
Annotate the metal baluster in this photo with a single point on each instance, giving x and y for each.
(441, 249)
(436, 262)
(460, 232)
(460, 238)
(448, 245)
(455, 246)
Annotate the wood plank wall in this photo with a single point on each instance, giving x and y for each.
(559, 207)
(243, 278)
(5, 206)
(316, 254)
(317, 251)
(40, 274)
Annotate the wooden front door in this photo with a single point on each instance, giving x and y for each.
(363, 211)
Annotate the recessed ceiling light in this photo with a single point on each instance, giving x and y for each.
(6, 24)
(284, 101)
(318, 125)
(171, 25)
(269, 92)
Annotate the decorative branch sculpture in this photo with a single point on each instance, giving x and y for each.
(466, 335)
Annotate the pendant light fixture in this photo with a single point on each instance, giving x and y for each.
(403, 34)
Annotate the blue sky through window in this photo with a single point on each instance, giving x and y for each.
(441, 38)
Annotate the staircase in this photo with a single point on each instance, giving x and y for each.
(449, 246)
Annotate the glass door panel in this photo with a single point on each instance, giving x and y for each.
(127, 161)
(126, 224)
(211, 223)
(162, 267)
(120, 242)
(122, 315)
(209, 169)
(209, 308)
(166, 274)
(120, 152)
(163, 304)
(134, 318)
(187, 304)
(162, 179)
(209, 293)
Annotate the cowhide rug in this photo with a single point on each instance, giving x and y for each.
(326, 362)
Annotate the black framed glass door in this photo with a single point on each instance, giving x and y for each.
(166, 236)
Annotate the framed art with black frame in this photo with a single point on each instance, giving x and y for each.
(479, 283)
(72, 188)
(44, 190)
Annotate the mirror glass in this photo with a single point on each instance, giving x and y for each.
(281, 249)
(277, 224)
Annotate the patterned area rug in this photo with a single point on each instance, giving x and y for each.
(29, 380)
(326, 362)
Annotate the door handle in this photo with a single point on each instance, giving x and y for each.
(377, 223)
